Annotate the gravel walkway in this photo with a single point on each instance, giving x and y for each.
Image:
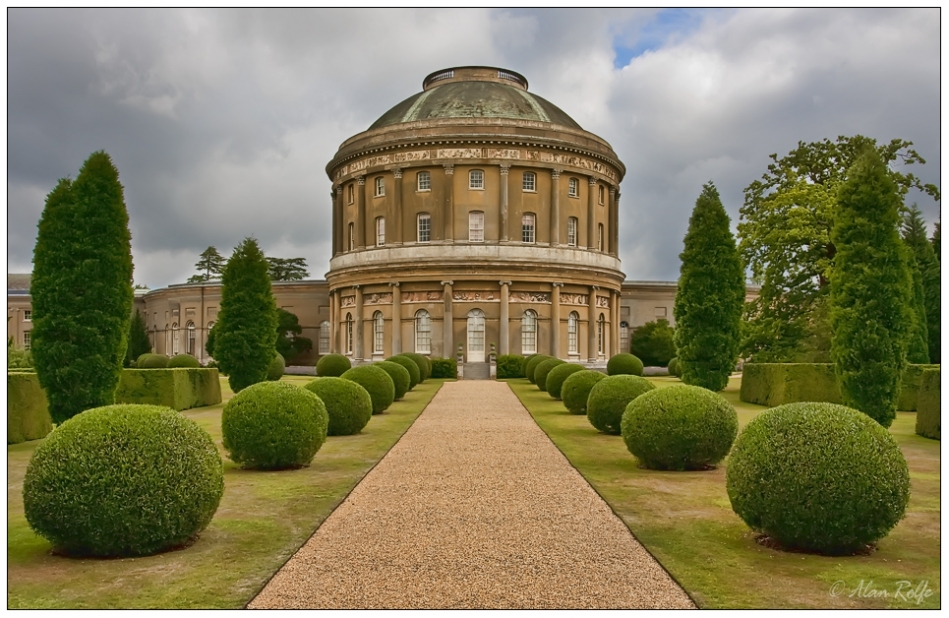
(473, 508)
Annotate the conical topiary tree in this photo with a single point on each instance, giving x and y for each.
(710, 296)
(138, 339)
(82, 290)
(870, 291)
(246, 331)
(914, 235)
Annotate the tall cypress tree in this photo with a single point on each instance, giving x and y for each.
(246, 331)
(917, 342)
(138, 339)
(82, 290)
(871, 291)
(710, 296)
(914, 234)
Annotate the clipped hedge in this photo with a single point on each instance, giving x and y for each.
(624, 364)
(609, 398)
(679, 428)
(347, 403)
(179, 389)
(674, 367)
(818, 477)
(543, 369)
(410, 366)
(27, 409)
(182, 361)
(909, 387)
(274, 426)
(575, 391)
(444, 367)
(152, 361)
(400, 377)
(510, 366)
(377, 382)
(531, 366)
(276, 368)
(928, 420)
(332, 365)
(557, 376)
(156, 492)
(424, 366)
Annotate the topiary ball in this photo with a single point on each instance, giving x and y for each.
(123, 480)
(531, 366)
(557, 375)
(543, 369)
(332, 365)
(347, 403)
(526, 360)
(679, 428)
(818, 477)
(674, 366)
(377, 382)
(400, 377)
(183, 361)
(410, 366)
(152, 361)
(575, 391)
(276, 368)
(624, 364)
(274, 425)
(609, 398)
(424, 365)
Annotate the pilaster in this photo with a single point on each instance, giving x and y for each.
(449, 230)
(396, 318)
(504, 335)
(448, 346)
(555, 207)
(502, 211)
(555, 319)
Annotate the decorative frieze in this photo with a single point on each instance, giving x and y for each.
(421, 297)
(603, 302)
(347, 301)
(530, 297)
(574, 299)
(489, 296)
(384, 298)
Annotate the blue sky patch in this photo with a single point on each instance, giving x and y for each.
(666, 25)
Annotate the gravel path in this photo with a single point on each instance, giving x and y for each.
(473, 508)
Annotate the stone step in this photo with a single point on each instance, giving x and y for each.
(476, 371)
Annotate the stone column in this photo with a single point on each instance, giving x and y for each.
(554, 207)
(395, 216)
(502, 211)
(614, 323)
(396, 318)
(505, 343)
(361, 212)
(614, 222)
(335, 221)
(555, 319)
(449, 232)
(339, 226)
(334, 322)
(591, 335)
(358, 344)
(448, 346)
(591, 215)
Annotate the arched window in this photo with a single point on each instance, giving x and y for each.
(527, 228)
(174, 338)
(573, 188)
(572, 231)
(601, 335)
(476, 226)
(599, 237)
(380, 231)
(424, 227)
(380, 186)
(424, 181)
(324, 337)
(573, 328)
(530, 182)
(378, 332)
(167, 338)
(191, 338)
(352, 237)
(529, 332)
(349, 333)
(476, 179)
(423, 332)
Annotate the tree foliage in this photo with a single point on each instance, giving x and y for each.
(936, 242)
(289, 269)
(210, 265)
(138, 339)
(914, 235)
(82, 290)
(870, 290)
(289, 341)
(710, 296)
(785, 239)
(246, 331)
(653, 343)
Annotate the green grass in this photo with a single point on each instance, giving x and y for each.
(685, 520)
(263, 519)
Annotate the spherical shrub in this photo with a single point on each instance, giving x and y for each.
(347, 403)
(532, 366)
(152, 361)
(276, 368)
(609, 398)
(183, 360)
(274, 425)
(410, 366)
(400, 377)
(332, 365)
(557, 375)
(123, 480)
(679, 428)
(424, 367)
(542, 369)
(674, 366)
(526, 360)
(624, 364)
(818, 477)
(377, 382)
(575, 391)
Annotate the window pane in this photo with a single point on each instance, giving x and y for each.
(325, 338)
(380, 186)
(476, 179)
(424, 227)
(423, 332)
(476, 227)
(378, 332)
(529, 333)
(572, 231)
(380, 231)
(424, 181)
(530, 181)
(527, 228)
(572, 327)
(574, 188)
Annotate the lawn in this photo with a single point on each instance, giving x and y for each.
(685, 520)
(263, 518)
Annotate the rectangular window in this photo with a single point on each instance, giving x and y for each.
(475, 227)
(27, 315)
(530, 181)
(424, 181)
(476, 179)
(352, 237)
(26, 340)
(380, 186)
(380, 231)
(599, 237)
(527, 228)
(573, 188)
(352, 193)
(424, 227)
(601, 193)
(325, 338)
(572, 231)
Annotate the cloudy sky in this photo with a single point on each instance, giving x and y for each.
(221, 121)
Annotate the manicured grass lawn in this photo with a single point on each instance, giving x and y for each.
(685, 520)
(263, 519)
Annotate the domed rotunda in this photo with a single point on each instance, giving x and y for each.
(475, 213)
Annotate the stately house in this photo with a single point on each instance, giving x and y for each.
(472, 217)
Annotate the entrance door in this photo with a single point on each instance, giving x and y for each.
(476, 336)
